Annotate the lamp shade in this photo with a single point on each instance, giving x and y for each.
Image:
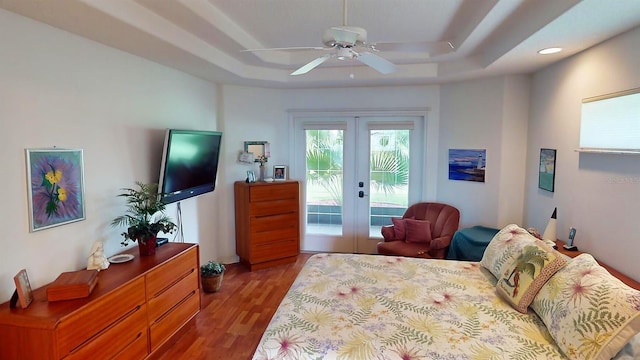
(550, 231)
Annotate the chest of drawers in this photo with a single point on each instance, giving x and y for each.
(134, 309)
(267, 223)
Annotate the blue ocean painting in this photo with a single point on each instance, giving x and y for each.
(467, 164)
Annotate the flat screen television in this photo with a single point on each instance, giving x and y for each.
(189, 164)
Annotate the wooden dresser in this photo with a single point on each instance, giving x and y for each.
(267, 223)
(133, 310)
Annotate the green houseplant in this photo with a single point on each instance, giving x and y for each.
(211, 274)
(144, 217)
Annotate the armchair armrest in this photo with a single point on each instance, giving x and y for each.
(440, 243)
(388, 233)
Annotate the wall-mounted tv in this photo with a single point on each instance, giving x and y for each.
(189, 164)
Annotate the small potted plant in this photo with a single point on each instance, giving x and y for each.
(144, 217)
(211, 274)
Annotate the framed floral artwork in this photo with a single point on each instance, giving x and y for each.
(55, 185)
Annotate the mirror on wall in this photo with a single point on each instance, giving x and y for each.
(258, 148)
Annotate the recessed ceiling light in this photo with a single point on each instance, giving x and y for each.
(551, 50)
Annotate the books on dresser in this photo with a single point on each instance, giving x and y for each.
(72, 285)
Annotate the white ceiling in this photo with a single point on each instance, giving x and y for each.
(205, 37)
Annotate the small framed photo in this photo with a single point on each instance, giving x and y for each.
(280, 173)
(23, 288)
(251, 176)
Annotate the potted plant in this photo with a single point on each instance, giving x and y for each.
(211, 274)
(144, 217)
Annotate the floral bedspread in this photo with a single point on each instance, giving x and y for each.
(347, 306)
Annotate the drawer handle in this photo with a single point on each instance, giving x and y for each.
(164, 289)
(118, 320)
(138, 335)
(274, 214)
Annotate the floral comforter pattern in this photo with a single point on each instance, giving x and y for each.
(347, 306)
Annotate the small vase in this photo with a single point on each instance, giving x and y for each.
(263, 169)
(147, 247)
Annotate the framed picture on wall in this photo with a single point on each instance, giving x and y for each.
(55, 187)
(547, 169)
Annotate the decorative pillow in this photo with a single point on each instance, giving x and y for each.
(418, 231)
(504, 248)
(588, 312)
(522, 280)
(399, 228)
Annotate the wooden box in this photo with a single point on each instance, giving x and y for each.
(72, 285)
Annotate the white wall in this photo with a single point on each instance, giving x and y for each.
(59, 89)
(597, 194)
(489, 114)
(485, 114)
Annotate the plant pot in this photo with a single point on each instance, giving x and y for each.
(212, 283)
(147, 247)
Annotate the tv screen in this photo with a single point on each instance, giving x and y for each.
(189, 164)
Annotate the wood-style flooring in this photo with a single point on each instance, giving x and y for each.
(232, 320)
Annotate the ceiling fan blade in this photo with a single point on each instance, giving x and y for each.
(311, 65)
(378, 63)
(434, 48)
(298, 48)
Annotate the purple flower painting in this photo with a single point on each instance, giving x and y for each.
(55, 187)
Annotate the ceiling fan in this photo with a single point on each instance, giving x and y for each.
(350, 43)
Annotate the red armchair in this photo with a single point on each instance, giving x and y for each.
(421, 239)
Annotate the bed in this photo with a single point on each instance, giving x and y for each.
(356, 306)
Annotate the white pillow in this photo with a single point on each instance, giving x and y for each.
(504, 248)
(588, 312)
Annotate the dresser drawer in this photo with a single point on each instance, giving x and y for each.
(276, 234)
(273, 192)
(87, 322)
(173, 320)
(170, 273)
(165, 300)
(264, 208)
(126, 336)
(274, 250)
(268, 223)
(139, 349)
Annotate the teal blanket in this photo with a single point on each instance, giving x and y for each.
(469, 244)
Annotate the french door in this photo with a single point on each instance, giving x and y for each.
(356, 172)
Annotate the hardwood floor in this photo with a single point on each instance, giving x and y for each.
(232, 320)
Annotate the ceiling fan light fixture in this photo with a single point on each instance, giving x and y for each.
(549, 51)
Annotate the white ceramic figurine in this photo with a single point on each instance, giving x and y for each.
(97, 260)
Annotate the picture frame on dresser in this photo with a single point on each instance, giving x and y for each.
(280, 172)
(23, 289)
(251, 176)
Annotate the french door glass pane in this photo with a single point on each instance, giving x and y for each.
(324, 158)
(389, 174)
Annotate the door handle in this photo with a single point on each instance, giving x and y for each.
(361, 194)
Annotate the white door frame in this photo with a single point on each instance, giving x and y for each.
(430, 148)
